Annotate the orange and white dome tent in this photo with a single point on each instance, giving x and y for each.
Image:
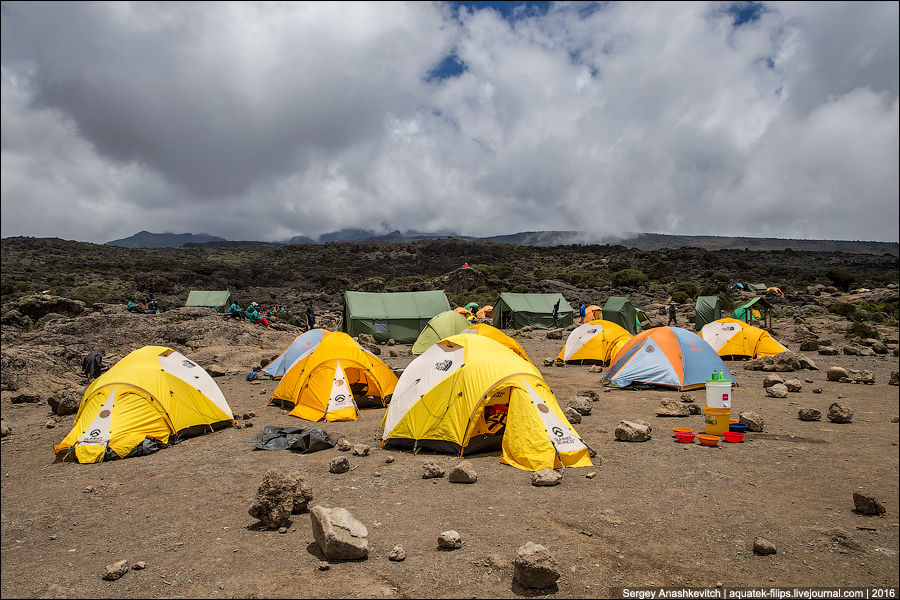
(595, 342)
(151, 397)
(328, 382)
(733, 337)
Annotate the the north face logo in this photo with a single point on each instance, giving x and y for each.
(444, 365)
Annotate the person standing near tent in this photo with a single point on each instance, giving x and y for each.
(672, 314)
(310, 316)
(582, 311)
(254, 316)
(556, 314)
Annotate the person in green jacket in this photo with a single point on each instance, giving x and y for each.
(254, 316)
(235, 312)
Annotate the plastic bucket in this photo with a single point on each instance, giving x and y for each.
(717, 420)
(718, 393)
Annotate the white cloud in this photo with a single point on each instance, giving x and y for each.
(264, 121)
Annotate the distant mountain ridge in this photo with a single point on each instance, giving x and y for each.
(642, 241)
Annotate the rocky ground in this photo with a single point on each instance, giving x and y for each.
(655, 513)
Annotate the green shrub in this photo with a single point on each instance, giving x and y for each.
(689, 288)
(840, 278)
(861, 330)
(520, 289)
(629, 278)
(726, 302)
(679, 297)
(843, 309)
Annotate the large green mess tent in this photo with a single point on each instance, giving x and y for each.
(400, 316)
(514, 311)
(212, 299)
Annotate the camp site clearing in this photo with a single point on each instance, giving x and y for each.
(657, 513)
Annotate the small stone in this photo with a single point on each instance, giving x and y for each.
(778, 390)
(753, 420)
(763, 546)
(591, 475)
(464, 472)
(389, 459)
(398, 554)
(115, 571)
(817, 390)
(809, 414)
(573, 416)
(672, 408)
(450, 540)
(534, 567)
(341, 464)
(432, 470)
(838, 413)
(360, 450)
(630, 431)
(867, 504)
(282, 530)
(343, 445)
(323, 566)
(139, 565)
(546, 478)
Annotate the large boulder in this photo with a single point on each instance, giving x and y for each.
(672, 408)
(629, 431)
(534, 567)
(338, 534)
(787, 361)
(836, 373)
(275, 497)
(753, 420)
(838, 413)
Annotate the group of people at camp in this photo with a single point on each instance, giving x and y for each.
(147, 306)
(255, 315)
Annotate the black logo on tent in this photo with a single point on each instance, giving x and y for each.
(188, 364)
(594, 330)
(340, 399)
(444, 365)
(95, 433)
(557, 431)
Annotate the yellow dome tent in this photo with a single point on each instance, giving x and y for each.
(595, 342)
(495, 334)
(151, 397)
(330, 381)
(469, 393)
(732, 337)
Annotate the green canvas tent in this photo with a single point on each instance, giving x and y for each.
(400, 316)
(709, 309)
(755, 309)
(520, 310)
(220, 300)
(757, 288)
(622, 312)
(442, 326)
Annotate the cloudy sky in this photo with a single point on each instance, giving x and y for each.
(266, 120)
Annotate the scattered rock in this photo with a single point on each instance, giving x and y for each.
(779, 390)
(867, 504)
(838, 413)
(339, 535)
(343, 445)
(895, 378)
(672, 408)
(694, 409)
(5, 430)
(589, 394)
(836, 373)
(753, 420)
(572, 415)
(581, 404)
(302, 493)
(686, 397)
(771, 380)
(763, 546)
(389, 459)
(809, 414)
(787, 361)
(464, 472)
(274, 502)
(66, 402)
(817, 390)
(115, 571)
(534, 567)
(360, 450)
(339, 465)
(450, 540)
(546, 478)
(828, 351)
(139, 565)
(793, 385)
(432, 470)
(323, 566)
(629, 431)
(398, 554)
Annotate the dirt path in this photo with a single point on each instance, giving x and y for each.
(654, 513)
